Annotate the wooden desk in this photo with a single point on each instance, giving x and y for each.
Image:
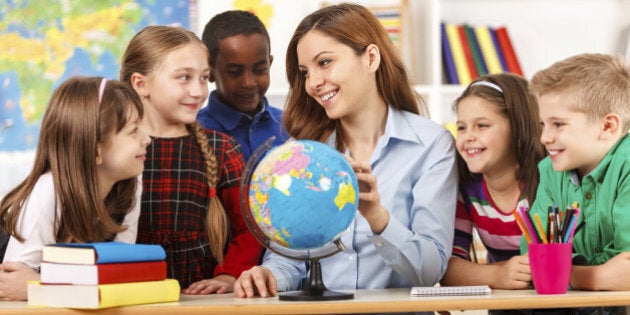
(365, 301)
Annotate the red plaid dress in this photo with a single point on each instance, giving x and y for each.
(175, 202)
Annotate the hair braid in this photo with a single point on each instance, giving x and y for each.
(216, 219)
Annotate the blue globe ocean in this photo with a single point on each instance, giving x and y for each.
(303, 194)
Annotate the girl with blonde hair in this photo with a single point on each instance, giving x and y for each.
(190, 199)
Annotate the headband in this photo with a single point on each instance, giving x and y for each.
(488, 84)
(101, 88)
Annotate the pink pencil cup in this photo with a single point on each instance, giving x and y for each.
(551, 267)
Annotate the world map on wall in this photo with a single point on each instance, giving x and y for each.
(42, 47)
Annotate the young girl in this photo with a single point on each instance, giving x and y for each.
(349, 89)
(83, 186)
(498, 138)
(190, 199)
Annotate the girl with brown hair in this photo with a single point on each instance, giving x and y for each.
(498, 140)
(83, 186)
(190, 199)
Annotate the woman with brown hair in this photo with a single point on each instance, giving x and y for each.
(349, 89)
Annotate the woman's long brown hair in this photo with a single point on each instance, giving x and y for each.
(354, 26)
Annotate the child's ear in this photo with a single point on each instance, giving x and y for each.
(211, 76)
(611, 127)
(99, 156)
(139, 83)
(270, 60)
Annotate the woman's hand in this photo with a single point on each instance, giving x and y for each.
(369, 199)
(259, 280)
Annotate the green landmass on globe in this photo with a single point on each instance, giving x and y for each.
(303, 194)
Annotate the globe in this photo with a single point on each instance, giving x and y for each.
(300, 197)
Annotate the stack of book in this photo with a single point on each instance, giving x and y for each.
(101, 275)
(469, 52)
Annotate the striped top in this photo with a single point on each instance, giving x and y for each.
(498, 231)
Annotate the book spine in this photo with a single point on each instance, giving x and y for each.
(131, 272)
(508, 51)
(107, 253)
(487, 49)
(139, 293)
(463, 73)
(497, 48)
(447, 57)
(470, 62)
(480, 64)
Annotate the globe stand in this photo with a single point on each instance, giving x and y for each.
(315, 290)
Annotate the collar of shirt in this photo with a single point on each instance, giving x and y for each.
(396, 129)
(598, 173)
(229, 117)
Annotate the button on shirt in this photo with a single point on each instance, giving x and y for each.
(604, 201)
(414, 162)
(249, 132)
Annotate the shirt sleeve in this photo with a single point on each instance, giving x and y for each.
(131, 219)
(289, 273)
(463, 230)
(35, 224)
(243, 250)
(420, 250)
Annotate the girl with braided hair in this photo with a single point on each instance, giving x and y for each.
(190, 199)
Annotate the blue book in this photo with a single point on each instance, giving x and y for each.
(101, 253)
(447, 57)
(497, 48)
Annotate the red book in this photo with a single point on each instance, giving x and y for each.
(52, 273)
(461, 29)
(508, 51)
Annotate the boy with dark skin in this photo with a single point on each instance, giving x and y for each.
(240, 58)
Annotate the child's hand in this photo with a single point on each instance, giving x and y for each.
(13, 278)
(614, 274)
(219, 284)
(515, 273)
(369, 199)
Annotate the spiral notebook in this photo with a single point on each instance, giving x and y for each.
(453, 290)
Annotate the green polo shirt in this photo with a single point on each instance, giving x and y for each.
(604, 201)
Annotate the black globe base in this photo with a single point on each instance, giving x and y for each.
(315, 296)
(315, 291)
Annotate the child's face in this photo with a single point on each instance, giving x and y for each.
(483, 137)
(178, 86)
(570, 137)
(122, 155)
(339, 80)
(241, 72)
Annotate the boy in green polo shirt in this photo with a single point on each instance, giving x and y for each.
(584, 104)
